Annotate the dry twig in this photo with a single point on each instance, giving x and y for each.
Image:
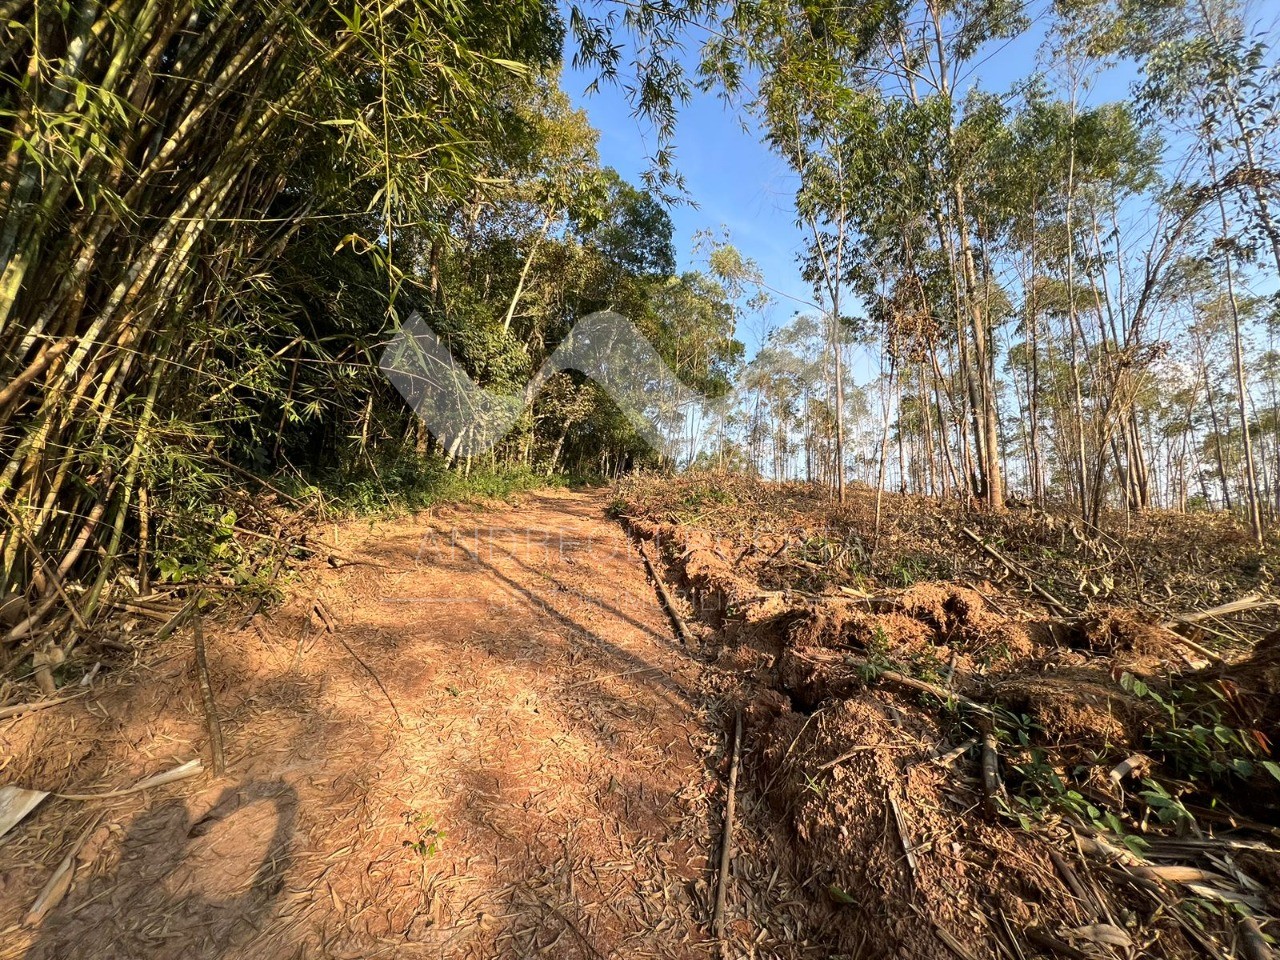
(210, 706)
(726, 843)
(681, 630)
(1018, 569)
(59, 882)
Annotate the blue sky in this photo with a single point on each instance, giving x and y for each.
(733, 178)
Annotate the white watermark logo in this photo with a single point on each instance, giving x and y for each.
(470, 419)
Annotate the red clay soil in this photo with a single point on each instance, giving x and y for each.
(494, 749)
(898, 734)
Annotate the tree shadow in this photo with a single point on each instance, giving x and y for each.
(182, 886)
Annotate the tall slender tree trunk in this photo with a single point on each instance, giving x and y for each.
(1242, 395)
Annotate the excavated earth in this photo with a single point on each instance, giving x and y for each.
(877, 785)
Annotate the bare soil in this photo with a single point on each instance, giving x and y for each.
(476, 737)
(472, 733)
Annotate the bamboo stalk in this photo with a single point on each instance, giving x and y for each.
(726, 840)
(210, 705)
(682, 631)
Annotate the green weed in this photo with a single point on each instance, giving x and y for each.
(429, 838)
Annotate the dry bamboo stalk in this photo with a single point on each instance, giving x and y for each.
(726, 842)
(1204, 651)
(681, 630)
(210, 705)
(902, 680)
(59, 882)
(17, 709)
(1252, 601)
(180, 772)
(991, 787)
(1017, 568)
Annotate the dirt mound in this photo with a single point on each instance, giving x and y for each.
(848, 623)
(963, 620)
(1079, 706)
(1116, 630)
(882, 825)
(924, 745)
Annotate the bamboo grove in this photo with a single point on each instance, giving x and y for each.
(153, 151)
(216, 211)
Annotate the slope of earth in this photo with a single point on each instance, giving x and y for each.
(994, 736)
(474, 737)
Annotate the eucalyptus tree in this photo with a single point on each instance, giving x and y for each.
(1217, 85)
(828, 77)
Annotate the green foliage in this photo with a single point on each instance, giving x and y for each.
(410, 482)
(1195, 752)
(1042, 788)
(1194, 742)
(221, 248)
(428, 838)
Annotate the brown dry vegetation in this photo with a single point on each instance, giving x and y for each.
(1032, 629)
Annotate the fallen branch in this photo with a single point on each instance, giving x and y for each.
(1017, 568)
(726, 844)
(990, 774)
(59, 882)
(210, 706)
(181, 772)
(682, 631)
(1252, 601)
(911, 683)
(17, 709)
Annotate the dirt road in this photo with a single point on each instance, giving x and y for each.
(473, 737)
